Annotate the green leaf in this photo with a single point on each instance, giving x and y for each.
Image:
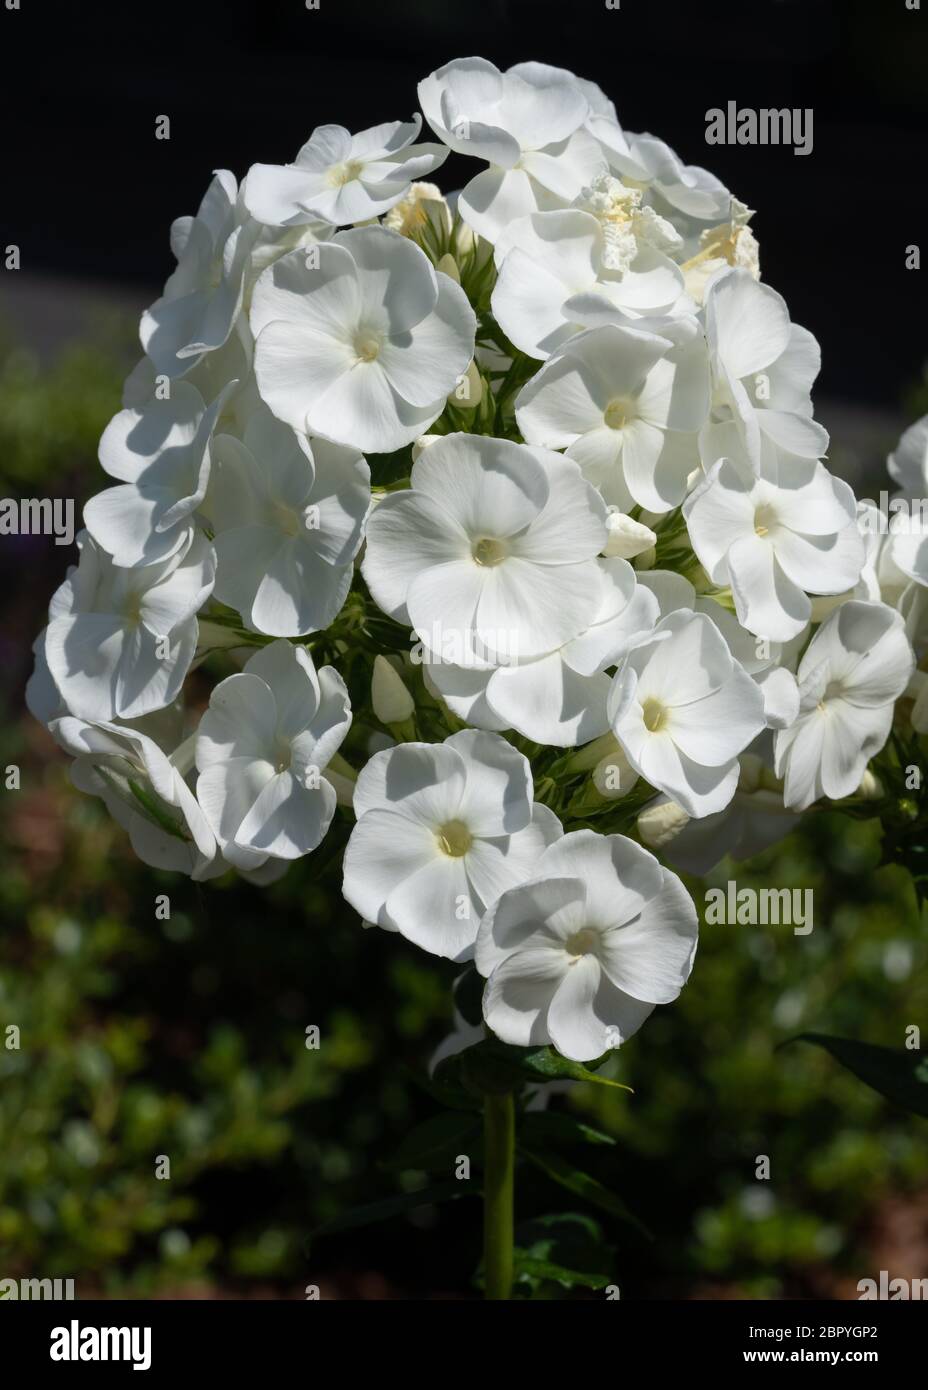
(564, 1247)
(492, 1065)
(527, 1266)
(454, 1097)
(548, 1127)
(583, 1185)
(436, 1142)
(897, 1074)
(383, 1210)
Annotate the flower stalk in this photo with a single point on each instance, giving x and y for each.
(499, 1130)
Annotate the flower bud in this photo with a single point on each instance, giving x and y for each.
(871, 788)
(422, 443)
(449, 266)
(586, 758)
(627, 538)
(392, 701)
(661, 822)
(468, 392)
(614, 776)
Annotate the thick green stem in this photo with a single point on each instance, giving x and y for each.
(499, 1130)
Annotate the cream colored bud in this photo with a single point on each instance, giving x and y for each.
(424, 203)
(661, 822)
(422, 443)
(871, 788)
(449, 266)
(614, 776)
(468, 391)
(586, 758)
(391, 700)
(627, 538)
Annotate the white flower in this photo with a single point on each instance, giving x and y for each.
(341, 177)
(625, 222)
(683, 709)
(857, 664)
(145, 791)
(202, 297)
(764, 660)
(442, 830)
(262, 746)
(647, 162)
(288, 514)
(525, 123)
(908, 537)
(120, 641)
(580, 955)
(908, 463)
(773, 540)
(362, 342)
(753, 820)
(560, 698)
(43, 698)
(551, 265)
(161, 454)
(627, 405)
(494, 546)
(731, 243)
(763, 368)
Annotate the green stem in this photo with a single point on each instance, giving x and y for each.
(499, 1130)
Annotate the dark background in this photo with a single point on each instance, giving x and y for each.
(88, 190)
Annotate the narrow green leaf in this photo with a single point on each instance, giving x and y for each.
(897, 1074)
(491, 1064)
(396, 1206)
(527, 1266)
(549, 1127)
(437, 1141)
(583, 1185)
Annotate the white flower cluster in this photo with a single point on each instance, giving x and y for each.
(601, 548)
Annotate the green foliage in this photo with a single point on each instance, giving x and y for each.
(900, 1076)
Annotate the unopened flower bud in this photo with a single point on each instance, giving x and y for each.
(468, 391)
(614, 776)
(422, 443)
(449, 266)
(627, 538)
(661, 822)
(391, 700)
(871, 788)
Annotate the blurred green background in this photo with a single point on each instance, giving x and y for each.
(186, 1037)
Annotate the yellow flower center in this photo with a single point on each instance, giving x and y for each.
(454, 838)
(488, 551)
(617, 414)
(367, 347)
(764, 520)
(654, 714)
(582, 942)
(340, 174)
